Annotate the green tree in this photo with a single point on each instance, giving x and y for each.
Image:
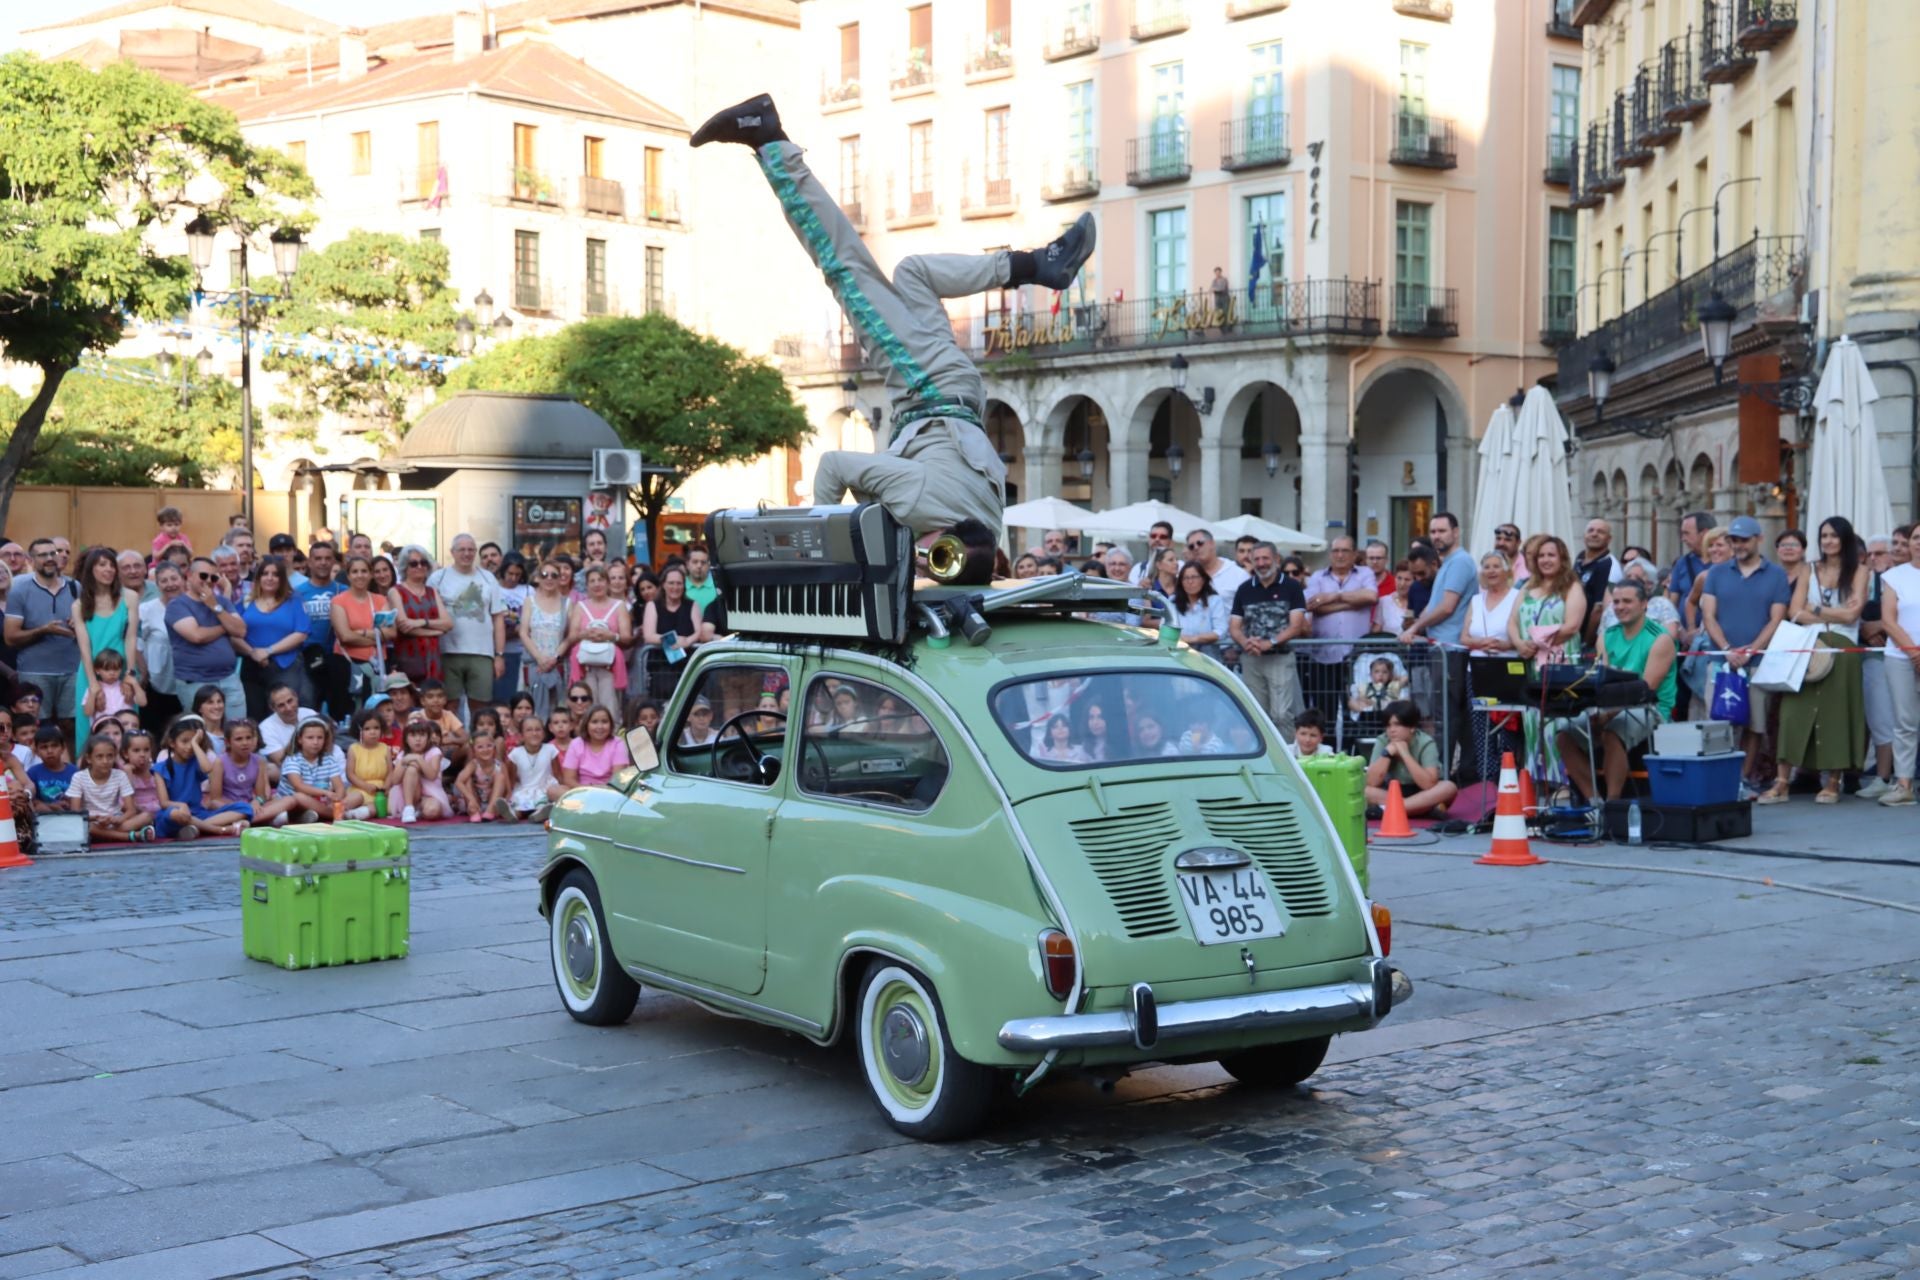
(91, 163)
(122, 432)
(684, 400)
(376, 289)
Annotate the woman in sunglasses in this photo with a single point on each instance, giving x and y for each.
(543, 633)
(422, 617)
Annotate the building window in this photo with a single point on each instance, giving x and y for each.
(920, 36)
(1266, 237)
(1563, 113)
(1267, 90)
(656, 279)
(653, 164)
(1561, 227)
(426, 152)
(596, 277)
(1412, 260)
(852, 178)
(593, 157)
(1169, 131)
(526, 270)
(995, 166)
(1080, 135)
(1167, 243)
(297, 152)
(526, 161)
(920, 168)
(850, 53)
(1413, 92)
(362, 154)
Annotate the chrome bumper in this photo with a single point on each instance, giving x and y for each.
(1147, 1025)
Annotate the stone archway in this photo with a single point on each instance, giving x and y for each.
(1075, 425)
(1260, 422)
(1170, 425)
(1412, 449)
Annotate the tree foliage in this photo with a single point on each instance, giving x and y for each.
(375, 288)
(91, 162)
(112, 432)
(684, 400)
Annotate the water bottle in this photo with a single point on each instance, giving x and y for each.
(1633, 822)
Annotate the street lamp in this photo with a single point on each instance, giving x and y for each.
(205, 361)
(1271, 456)
(1085, 459)
(502, 326)
(1600, 380)
(1716, 332)
(287, 245)
(200, 233)
(1176, 459)
(463, 335)
(849, 395)
(483, 307)
(1179, 367)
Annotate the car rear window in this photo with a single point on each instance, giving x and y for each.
(1073, 722)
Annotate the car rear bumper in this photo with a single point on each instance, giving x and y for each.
(1147, 1024)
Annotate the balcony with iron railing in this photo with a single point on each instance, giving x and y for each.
(602, 196)
(1424, 142)
(1255, 142)
(1561, 150)
(1075, 176)
(1560, 22)
(989, 57)
(1338, 312)
(1557, 321)
(1600, 175)
(1072, 35)
(1763, 268)
(912, 74)
(596, 299)
(1423, 311)
(660, 206)
(1579, 195)
(839, 93)
(1762, 24)
(424, 184)
(1155, 18)
(1163, 156)
(1628, 153)
(917, 209)
(535, 296)
(1722, 59)
(1651, 128)
(531, 187)
(1437, 10)
(1253, 8)
(1683, 94)
(990, 194)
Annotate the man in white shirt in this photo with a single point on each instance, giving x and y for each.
(277, 730)
(1226, 576)
(473, 653)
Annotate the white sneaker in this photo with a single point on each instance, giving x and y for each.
(1873, 788)
(361, 814)
(1897, 795)
(409, 814)
(279, 819)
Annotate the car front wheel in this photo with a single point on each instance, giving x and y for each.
(922, 1086)
(1278, 1066)
(593, 986)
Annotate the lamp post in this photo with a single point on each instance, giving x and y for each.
(1716, 317)
(849, 395)
(1085, 459)
(1270, 455)
(1600, 381)
(1179, 367)
(483, 307)
(502, 327)
(1176, 460)
(287, 246)
(463, 335)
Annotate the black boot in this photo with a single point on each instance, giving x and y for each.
(1055, 266)
(752, 123)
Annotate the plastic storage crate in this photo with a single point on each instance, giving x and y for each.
(1694, 780)
(1341, 783)
(318, 895)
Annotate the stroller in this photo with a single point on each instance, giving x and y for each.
(1367, 699)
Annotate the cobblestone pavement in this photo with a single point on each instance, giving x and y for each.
(1769, 1136)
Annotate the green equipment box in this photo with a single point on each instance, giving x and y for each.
(1341, 783)
(324, 894)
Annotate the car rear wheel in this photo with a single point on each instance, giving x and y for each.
(1277, 1066)
(920, 1084)
(593, 986)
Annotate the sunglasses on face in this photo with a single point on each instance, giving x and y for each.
(1195, 545)
(207, 577)
(416, 564)
(548, 576)
(579, 697)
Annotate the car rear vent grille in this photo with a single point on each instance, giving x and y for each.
(1271, 833)
(1127, 851)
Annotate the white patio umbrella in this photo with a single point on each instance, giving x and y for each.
(1846, 476)
(1045, 513)
(1134, 519)
(1493, 495)
(1543, 482)
(1283, 538)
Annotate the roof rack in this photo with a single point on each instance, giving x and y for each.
(939, 609)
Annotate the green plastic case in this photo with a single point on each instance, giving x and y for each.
(1341, 783)
(318, 895)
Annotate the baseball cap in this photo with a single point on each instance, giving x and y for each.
(1744, 527)
(398, 680)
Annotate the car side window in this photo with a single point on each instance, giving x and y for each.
(869, 745)
(755, 696)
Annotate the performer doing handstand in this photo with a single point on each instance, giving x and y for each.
(939, 469)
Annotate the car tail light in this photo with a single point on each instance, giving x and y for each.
(1383, 925)
(1057, 962)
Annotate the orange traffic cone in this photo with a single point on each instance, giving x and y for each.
(1509, 825)
(1394, 824)
(1529, 803)
(10, 855)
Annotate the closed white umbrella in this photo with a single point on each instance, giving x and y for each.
(1283, 538)
(1134, 519)
(1542, 483)
(1493, 495)
(1045, 513)
(1847, 476)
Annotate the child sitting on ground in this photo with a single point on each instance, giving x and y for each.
(50, 775)
(242, 773)
(146, 784)
(416, 790)
(453, 735)
(103, 792)
(370, 759)
(183, 772)
(485, 781)
(535, 787)
(311, 773)
(1406, 754)
(1310, 734)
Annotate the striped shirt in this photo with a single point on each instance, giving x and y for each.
(318, 774)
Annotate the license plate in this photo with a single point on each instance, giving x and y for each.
(1230, 906)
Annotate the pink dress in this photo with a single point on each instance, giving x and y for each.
(596, 766)
(605, 619)
(434, 787)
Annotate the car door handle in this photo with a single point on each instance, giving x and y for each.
(770, 818)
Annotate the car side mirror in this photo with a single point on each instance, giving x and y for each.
(640, 748)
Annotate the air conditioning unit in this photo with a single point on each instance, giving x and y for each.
(616, 468)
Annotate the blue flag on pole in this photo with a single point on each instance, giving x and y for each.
(1258, 264)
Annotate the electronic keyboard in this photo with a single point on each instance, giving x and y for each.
(812, 572)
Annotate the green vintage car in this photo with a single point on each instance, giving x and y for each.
(1069, 844)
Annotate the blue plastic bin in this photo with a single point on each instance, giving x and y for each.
(1695, 780)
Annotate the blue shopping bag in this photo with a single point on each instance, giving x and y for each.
(1730, 701)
